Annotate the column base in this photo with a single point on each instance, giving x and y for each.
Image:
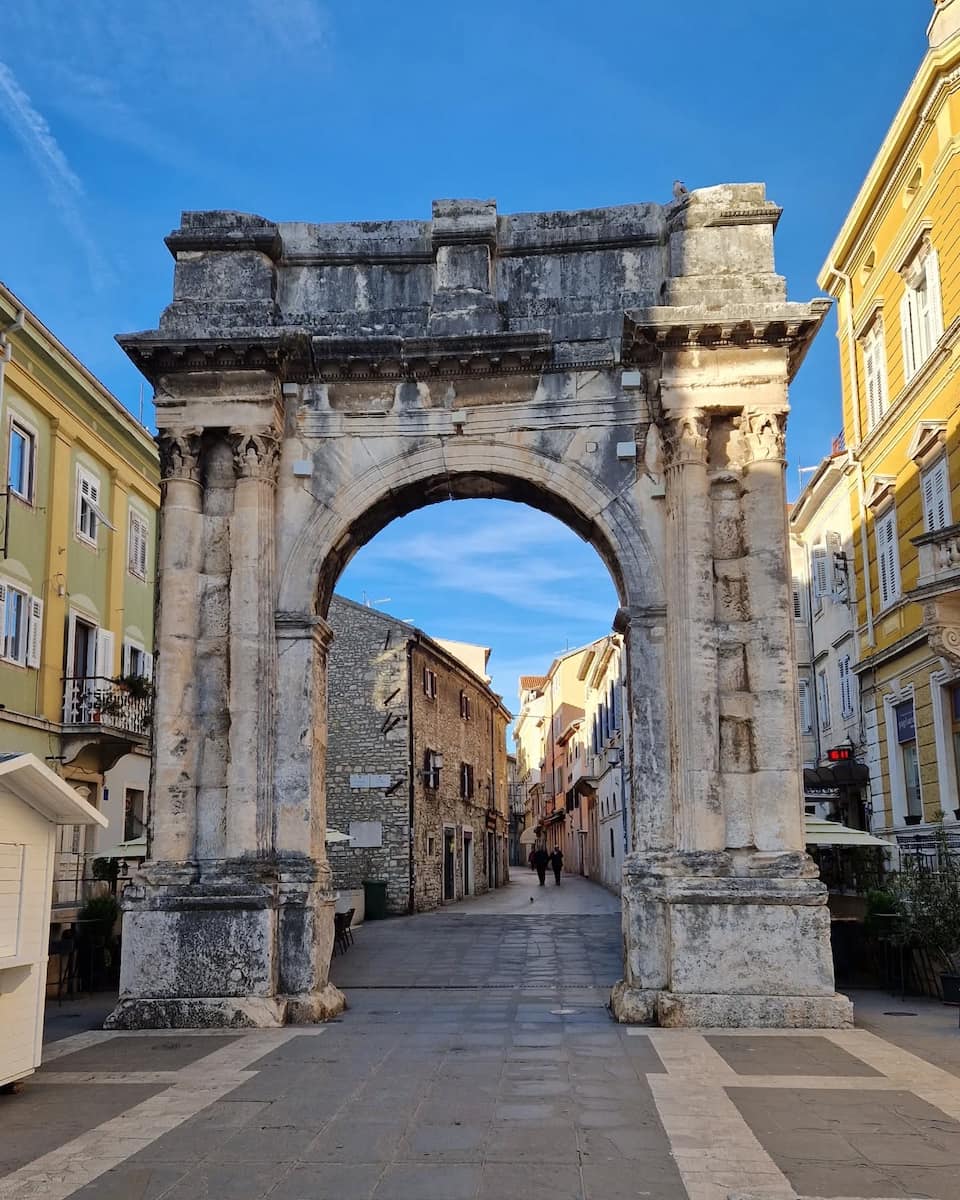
(727, 941)
(636, 1006)
(241, 943)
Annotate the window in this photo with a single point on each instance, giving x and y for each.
(21, 460)
(875, 374)
(432, 762)
(820, 574)
(823, 699)
(133, 814)
(138, 537)
(613, 852)
(429, 683)
(88, 506)
(907, 737)
(21, 626)
(806, 718)
(465, 706)
(846, 686)
(136, 662)
(466, 781)
(935, 486)
(888, 557)
(797, 602)
(921, 316)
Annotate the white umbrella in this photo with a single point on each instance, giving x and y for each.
(819, 832)
(334, 835)
(528, 837)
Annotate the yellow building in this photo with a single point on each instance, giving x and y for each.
(77, 575)
(895, 271)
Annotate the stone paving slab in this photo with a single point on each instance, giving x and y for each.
(465, 1091)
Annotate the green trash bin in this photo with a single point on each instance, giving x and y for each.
(374, 899)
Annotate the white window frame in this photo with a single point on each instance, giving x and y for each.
(935, 493)
(806, 714)
(921, 309)
(823, 699)
(429, 683)
(886, 544)
(874, 351)
(845, 667)
(86, 525)
(29, 432)
(138, 543)
(128, 649)
(21, 651)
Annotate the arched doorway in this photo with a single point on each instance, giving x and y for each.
(312, 383)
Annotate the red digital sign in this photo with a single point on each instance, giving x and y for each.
(840, 754)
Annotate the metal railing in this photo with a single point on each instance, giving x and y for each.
(97, 700)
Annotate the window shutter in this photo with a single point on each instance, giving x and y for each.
(888, 561)
(931, 269)
(908, 332)
(935, 484)
(805, 722)
(104, 653)
(819, 571)
(873, 381)
(797, 602)
(148, 666)
(35, 632)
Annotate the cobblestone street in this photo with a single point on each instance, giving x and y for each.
(478, 1060)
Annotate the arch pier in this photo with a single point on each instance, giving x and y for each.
(625, 369)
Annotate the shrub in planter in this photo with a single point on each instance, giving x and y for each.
(930, 898)
(96, 940)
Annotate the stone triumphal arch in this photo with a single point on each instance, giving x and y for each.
(625, 369)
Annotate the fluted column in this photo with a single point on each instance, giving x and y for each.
(777, 792)
(253, 648)
(173, 816)
(691, 638)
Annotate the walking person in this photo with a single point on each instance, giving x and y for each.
(556, 861)
(541, 860)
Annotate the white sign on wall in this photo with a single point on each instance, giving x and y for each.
(366, 834)
(370, 781)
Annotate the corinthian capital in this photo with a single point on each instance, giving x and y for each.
(180, 453)
(256, 453)
(685, 437)
(763, 436)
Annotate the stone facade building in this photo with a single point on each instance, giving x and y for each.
(416, 762)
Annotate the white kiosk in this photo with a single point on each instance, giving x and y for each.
(33, 801)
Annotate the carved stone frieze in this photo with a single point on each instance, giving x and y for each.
(685, 438)
(943, 629)
(256, 453)
(180, 453)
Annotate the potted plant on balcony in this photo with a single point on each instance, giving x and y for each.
(930, 897)
(138, 686)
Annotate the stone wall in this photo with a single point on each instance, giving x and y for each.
(368, 749)
(439, 726)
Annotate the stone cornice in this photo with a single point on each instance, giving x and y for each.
(295, 356)
(647, 333)
(694, 216)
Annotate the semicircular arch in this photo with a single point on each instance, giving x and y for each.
(611, 522)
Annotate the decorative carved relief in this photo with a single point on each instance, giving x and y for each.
(763, 436)
(685, 438)
(943, 635)
(256, 453)
(180, 453)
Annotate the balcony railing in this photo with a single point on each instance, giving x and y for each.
(939, 556)
(96, 700)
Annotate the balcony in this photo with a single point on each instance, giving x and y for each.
(938, 589)
(105, 718)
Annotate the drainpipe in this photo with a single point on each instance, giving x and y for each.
(855, 451)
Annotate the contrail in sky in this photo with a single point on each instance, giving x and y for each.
(63, 184)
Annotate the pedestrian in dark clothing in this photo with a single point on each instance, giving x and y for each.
(541, 860)
(556, 861)
(530, 861)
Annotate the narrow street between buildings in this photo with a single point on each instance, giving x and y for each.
(477, 1061)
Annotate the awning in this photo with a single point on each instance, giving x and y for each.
(831, 833)
(555, 817)
(134, 848)
(840, 774)
(528, 837)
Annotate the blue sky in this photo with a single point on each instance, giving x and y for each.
(115, 116)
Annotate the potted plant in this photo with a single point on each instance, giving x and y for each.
(913, 818)
(96, 921)
(930, 898)
(139, 687)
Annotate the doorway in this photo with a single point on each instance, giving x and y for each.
(468, 862)
(449, 863)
